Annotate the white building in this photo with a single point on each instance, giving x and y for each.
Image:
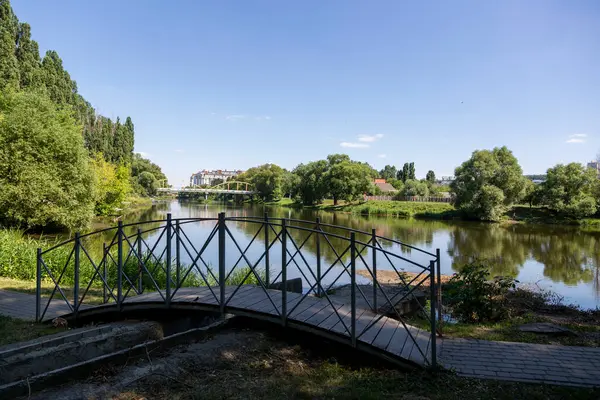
(208, 177)
(594, 165)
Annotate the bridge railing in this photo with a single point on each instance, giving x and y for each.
(112, 266)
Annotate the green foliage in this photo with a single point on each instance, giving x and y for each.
(268, 180)
(415, 188)
(402, 209)
(488, 184)
(312, 182)
(430, 177)
(338, 176)
(474, 298)
(9, 66)
(290, 184)
(45, 177)
(396, 183)
(148, 183)
(388, 172)
(28, 56)
(346, 179)
(146, 177)
(407, 172)
(571, 190)
(112, 185)
(46, 182)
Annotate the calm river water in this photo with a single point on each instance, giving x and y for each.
(563, 259)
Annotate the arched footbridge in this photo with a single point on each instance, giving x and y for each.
(229, 187)
(304, 275)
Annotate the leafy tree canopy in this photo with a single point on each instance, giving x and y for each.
(571, 189)
(488, 184)
(45, 175)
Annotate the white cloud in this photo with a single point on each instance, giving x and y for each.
(354, 145)
(577, 138)
(382, 156)
(370, 138)
(262, 118)
(235, 117)
(142, 153)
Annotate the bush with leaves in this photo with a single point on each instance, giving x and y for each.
(45, 174)
(473, 297)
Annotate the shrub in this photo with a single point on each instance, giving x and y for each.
(474, 298)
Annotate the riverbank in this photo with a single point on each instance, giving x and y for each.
(441, 211)
(524, 305)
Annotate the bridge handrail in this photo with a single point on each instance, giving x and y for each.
(329, 234)
(344, 228)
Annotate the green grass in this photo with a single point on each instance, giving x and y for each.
(404, 209)
(14, 330)
(525, 306)
(400, 209)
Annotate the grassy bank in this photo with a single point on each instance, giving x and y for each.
(14, 330)
(441, 211)
(401, 209)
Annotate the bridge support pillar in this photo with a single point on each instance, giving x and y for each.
(433, 327)
(222, 263)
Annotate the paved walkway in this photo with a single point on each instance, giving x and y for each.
(22, 305)
(522, 362)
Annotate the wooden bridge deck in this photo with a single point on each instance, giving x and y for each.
(387, 338)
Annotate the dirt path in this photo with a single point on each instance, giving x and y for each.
(391, 277)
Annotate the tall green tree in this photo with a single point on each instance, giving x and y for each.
(28, 57)
(312, 181)
(388, 172)
(267, 180)
(347, 180)
(488, 184)
(430, 177)
(59, 85)
(411, 171)
(405, 174)
(571, 189)
(45, 174)
(9, 66)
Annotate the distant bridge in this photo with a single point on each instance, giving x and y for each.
(232, 187)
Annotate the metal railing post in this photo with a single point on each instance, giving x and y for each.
(104, 273)
(267, 272)
(120, 264)
(222, 262)
(374, 267)
(283, 272)
(38, 286)
(168, 251)
(432, 301)
(177, 253)
(76, 280)
(140, 268)
(439, 289)
(353, 288)
(318, 243)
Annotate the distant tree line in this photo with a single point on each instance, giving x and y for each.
(60, 161)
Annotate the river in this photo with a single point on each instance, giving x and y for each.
(565, 260)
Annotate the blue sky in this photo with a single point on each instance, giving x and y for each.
(233, 84)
